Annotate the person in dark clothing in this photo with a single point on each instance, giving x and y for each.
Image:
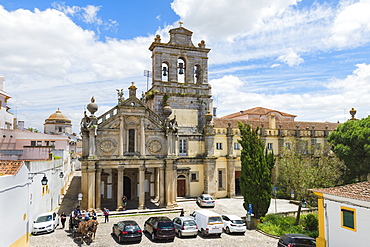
(182, 213)
(63, 218)
(124, 200)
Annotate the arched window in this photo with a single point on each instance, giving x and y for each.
(181, 70)
(197, 74)
(131, 140)
(165, 72)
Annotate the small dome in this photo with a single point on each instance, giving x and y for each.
(58, 116)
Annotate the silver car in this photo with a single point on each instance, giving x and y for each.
(205, 200)
(185, 226)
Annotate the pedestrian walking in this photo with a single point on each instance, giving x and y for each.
(124, 200)
(63, 218)
(106, 215)
(182, 213)
(93, 214)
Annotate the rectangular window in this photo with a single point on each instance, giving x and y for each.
(194, 177)
(53, 143)
(131, 140)
(348, 218)
(236, 146)
(46, 143)
(39, 143)
(220, 182)
(33, 143)
(219, 146)
(182, 147)
(269, 146)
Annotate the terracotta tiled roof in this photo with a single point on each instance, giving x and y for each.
(286, 125)
(10, 167)
(359, 191)
(256, 111)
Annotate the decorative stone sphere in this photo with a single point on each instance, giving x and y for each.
(92, 107)
(167, 110)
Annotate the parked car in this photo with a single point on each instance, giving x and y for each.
(233, 223)
(46, 222)
(185, 226)
(209, 222)
(160, 228)
(205, 200)
(296, 240)
(127, 231)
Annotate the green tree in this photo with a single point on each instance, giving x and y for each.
(302, 166)
(351, 143)
(256, 171)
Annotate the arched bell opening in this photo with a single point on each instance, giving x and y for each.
(181, 68)
(165, 72)
(197, 74)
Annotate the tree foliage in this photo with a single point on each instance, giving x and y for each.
(257, 164)
(302, 167)
(351, 143)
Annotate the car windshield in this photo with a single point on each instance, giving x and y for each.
(214, 219)
(189, 223)
(44, 218)
(165, 225)
(237, 221)
(132, 228)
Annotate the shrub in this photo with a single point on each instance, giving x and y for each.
(310, 222)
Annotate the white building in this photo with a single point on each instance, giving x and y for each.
(23, 197)
(344, 215)
(6, 118)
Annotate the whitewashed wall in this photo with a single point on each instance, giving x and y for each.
(338, 236)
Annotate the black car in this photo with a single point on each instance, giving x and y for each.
(160, 228)
(296, 240)
(127, 231)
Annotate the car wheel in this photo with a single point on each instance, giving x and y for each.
(227, 230)
(153, 236)
(180, 234)
(203, 233)
(219, 235)
(120, 238)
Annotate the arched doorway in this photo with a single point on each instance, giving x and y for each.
(127, 187)
(181, 186)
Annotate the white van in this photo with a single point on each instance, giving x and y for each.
(208, 222)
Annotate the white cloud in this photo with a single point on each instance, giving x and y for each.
(351, 26)
(291, 58)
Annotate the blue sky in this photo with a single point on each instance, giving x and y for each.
(307, 58)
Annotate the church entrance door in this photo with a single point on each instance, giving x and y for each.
(127, 187)
(181, 186)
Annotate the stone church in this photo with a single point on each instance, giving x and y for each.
(165, 143)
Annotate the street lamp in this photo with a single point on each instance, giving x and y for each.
(44, 180)
(61, 174)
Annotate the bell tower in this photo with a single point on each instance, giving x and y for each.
(180, 79)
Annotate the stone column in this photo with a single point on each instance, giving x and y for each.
(209, 177)
(169, 184)
(141, 187)
(91, 186)
(231, 177)
(84, 184)
(120, 137)
(161, 187)
(97, 189)
(120, 186)
(174, 185)
(142, 133)
(156, 184)
(92, 149)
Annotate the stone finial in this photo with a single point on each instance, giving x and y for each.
(202, 44)
(92, 107)
(157, 38)
(353, 113)
(132, 90)
(120, 94)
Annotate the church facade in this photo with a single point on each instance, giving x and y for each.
(166, 143)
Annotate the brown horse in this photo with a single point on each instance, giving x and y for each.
(83, 228)
(92, 227)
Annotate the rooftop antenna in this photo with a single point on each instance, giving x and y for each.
(147, 74)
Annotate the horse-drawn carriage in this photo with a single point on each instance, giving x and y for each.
(80, 227)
